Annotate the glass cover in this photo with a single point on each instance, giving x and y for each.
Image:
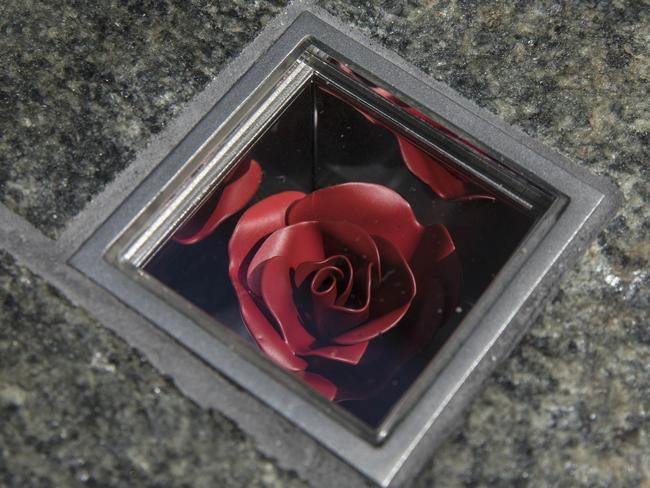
(342, 247)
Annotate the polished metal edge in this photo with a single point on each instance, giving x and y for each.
(211, 167)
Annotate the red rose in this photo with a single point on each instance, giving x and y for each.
(342, 286)
(344, 277)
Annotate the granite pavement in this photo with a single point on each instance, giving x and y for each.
(83, 86)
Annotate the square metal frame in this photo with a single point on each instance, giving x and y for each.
(504, 311)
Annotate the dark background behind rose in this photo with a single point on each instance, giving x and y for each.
(349, 149)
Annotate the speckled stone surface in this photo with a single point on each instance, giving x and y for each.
(570, 407)
(78, 407)
(84, 85)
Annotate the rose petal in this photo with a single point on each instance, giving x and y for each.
(435, 244)
(415, 112)
(333, 320)
(257, 222)
(239, 188)
(327, 295)
(265, 335)
(323, 298)
(276, 291)
(375, 208)
(351, 241)
(340, 262)
(296, 243)
(391, 299)
(397, 286)
(437, 271)
(430, 171)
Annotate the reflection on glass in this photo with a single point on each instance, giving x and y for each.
(342, 250)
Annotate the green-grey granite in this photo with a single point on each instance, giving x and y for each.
(84, 85)
(79, 407)
(570, 407)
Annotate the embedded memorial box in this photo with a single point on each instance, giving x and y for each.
(347, 243)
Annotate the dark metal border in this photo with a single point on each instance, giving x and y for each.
(512, 305)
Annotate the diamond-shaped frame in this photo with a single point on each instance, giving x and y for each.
(504, 311)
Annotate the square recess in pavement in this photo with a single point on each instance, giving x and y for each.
(349, 242)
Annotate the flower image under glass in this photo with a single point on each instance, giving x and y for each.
(342, 251)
